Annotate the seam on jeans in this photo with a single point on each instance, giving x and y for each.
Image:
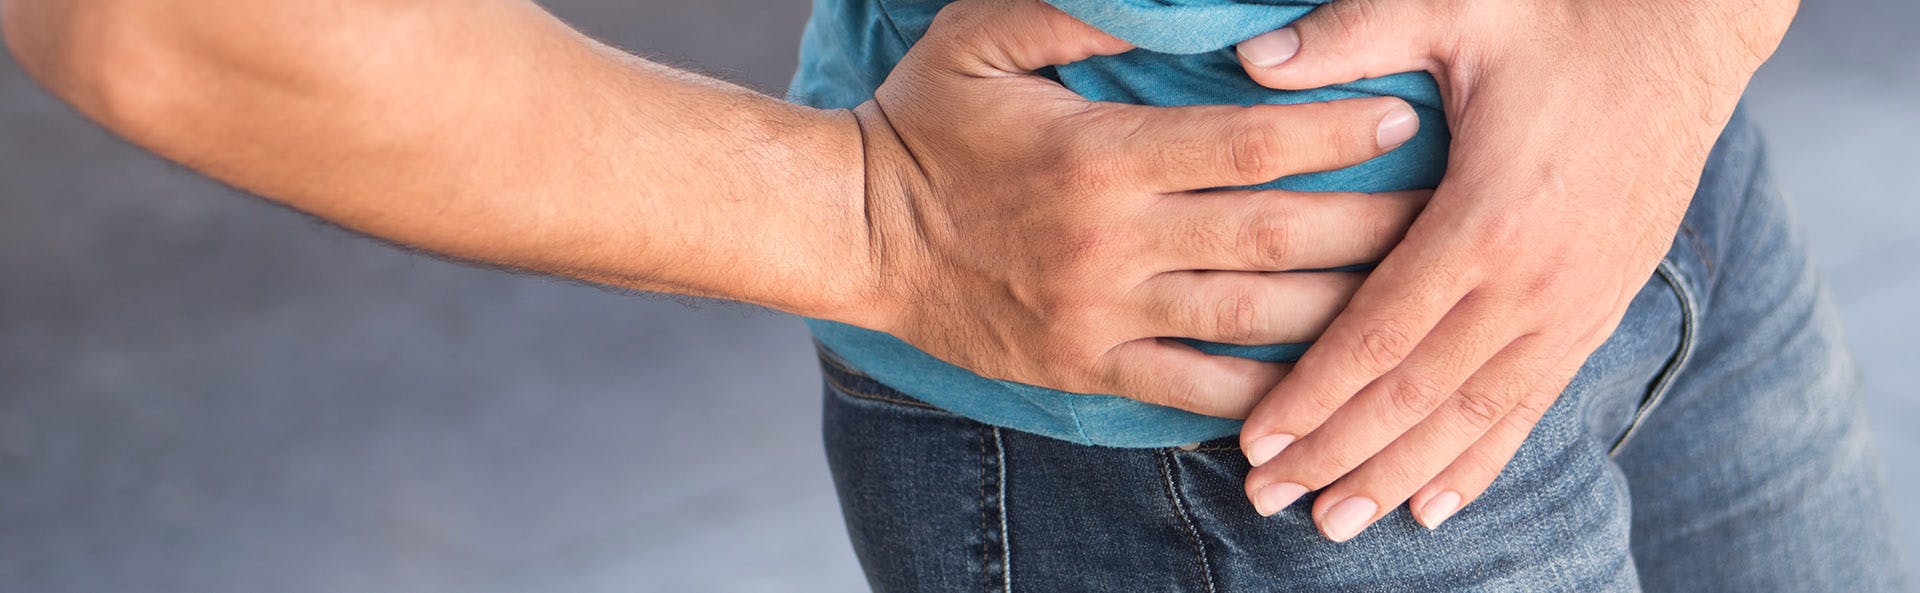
(986, 516)
(1203, 449)
(993, 528)
(1211, 449)
(1186, 518)
(855, 393)
(993, 513)
(1663, 383)
(1006, 535)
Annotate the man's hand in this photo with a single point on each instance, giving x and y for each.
(1026, 233)
(994, 219)
(1579, 133)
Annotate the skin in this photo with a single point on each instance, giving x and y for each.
(980, 212)
(1074, 291)
(994, 219)
(1580, 130)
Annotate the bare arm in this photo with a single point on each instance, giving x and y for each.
(488, 131)
(984, 214)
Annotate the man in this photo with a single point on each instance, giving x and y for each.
(1000, 223)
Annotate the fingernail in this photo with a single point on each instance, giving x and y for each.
(1438, 509)
(1274, 498)
(1398, 126)
(1347, 518)
(1265, 448)
(1272, 48)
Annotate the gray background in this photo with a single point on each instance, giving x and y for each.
(201, 392)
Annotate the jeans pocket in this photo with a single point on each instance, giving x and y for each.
(1669, 276)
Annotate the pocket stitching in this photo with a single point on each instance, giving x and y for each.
(1663, 382)
(857, 394)
(993, 505)
(1180, 509)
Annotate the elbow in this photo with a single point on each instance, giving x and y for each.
(161, 72)
(85, 54)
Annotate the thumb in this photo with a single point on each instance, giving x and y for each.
(997, 37)
(1344, 41)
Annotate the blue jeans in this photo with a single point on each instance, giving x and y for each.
(1714, 443)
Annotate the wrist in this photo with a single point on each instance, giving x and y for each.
(876, 255)
(881, 263)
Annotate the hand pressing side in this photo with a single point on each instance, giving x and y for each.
(1580, 130)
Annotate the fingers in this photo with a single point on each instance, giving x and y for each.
(999, 37)
(1187, 148)
(1469, 475)
(1474, 471)
(1395, 309)
(1393, 475)
(1382, 412)
(1347, 40)
(1245, 308)
(1168, 373)
(1277, 231)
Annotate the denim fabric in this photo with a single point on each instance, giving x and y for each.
(1715, 443)
(851, 45)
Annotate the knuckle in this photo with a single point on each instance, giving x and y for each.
(1500, 232)
(1239, 319)
(1481, 408)
(1270, 240)
(1255, 153)
(1413, 396)
(1383, 345)
(1529, 410)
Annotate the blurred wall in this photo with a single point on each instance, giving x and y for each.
(201, 392)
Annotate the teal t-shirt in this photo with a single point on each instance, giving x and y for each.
(1185, 58)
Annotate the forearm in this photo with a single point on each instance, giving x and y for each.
(481, 129)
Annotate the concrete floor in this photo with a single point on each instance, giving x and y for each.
(204, 393)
